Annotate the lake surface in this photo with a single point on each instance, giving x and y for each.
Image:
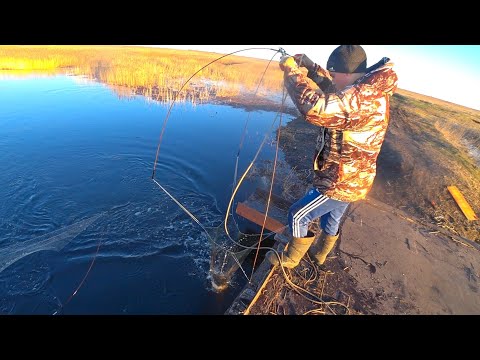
(72, 150)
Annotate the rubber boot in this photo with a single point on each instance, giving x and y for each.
(326, 242)
(297, 248)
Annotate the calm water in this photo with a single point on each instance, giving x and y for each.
(71, 149)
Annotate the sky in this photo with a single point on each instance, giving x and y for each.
(447, 72)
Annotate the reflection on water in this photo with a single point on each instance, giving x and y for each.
(161, 74)
(72, 149)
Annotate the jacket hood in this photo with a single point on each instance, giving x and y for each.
(381, 76)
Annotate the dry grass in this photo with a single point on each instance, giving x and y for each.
(435, 144)
(154, 72)
(439, 144)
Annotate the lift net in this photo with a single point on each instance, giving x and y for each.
(55, 240)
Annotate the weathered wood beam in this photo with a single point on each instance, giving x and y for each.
(258, 218)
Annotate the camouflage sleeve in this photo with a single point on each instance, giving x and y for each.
(350, 109)
(321, 77)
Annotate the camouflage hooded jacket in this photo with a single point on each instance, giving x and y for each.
(353, 123)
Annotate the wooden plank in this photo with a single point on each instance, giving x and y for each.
(462, 203)
(253, 289)
(258, 218)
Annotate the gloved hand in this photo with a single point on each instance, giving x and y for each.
(287, 63)
(303, 61)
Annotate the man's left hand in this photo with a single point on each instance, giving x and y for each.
(287, 63)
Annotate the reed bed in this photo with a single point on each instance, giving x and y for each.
(156, 72)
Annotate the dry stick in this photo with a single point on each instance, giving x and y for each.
(317, 311)
(323, 285)
(462, 243)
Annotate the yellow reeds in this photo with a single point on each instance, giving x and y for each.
(147, 69)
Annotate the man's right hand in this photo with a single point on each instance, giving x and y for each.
(303, 61)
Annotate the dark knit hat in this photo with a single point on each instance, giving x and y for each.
(348, 59)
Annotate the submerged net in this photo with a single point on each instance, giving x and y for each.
(228, 256)
(225, 257)
(55, 240)
(228, 253)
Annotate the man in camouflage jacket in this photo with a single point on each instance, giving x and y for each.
(351, 108)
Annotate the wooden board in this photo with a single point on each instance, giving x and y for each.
(462, 203)
(258, 218)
